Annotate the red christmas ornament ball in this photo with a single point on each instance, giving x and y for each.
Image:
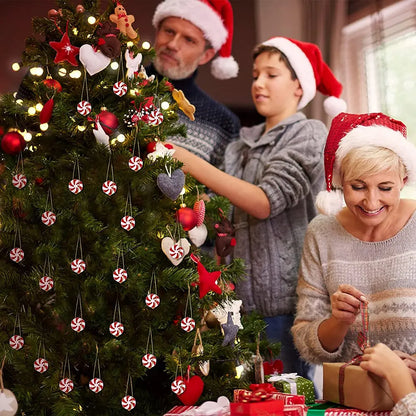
(108, 121)
(80, 8)
(53, 83)
(187, 218)
(151, 147)
(12, 143)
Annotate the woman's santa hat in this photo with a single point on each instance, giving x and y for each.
(312, 72)
(215, 19)
(350, 131)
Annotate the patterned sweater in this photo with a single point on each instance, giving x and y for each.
(384, 271)
(214, 127)
(406, 406)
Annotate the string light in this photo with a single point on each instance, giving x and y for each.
(91, 20)
(44, 126)
(75, 74)
(114, 65)
(62, 72)
(38, 107)
(31, 111)
(16, 66)
(81, 128)
(164, 105)
(146, 45)
(36, 71)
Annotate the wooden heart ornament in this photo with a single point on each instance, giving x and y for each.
(198, 234)
(193, 391)
(175, 251)
(93, 61)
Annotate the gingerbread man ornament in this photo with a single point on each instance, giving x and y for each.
(123, 21)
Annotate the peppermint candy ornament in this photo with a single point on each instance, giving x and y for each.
(135, 163)
(78, 324)
(48, 218)
(116, 329)
(109, 188)
(149, 361)
(96, 385)
(152, 300)
(66, 385)
(176, 251)
(178, 386)
(75, 186)
(128, 402)
(120, 88)
(41, 365)
(46, 283)
(78, 266)
(84, 108)
(155, 117)
(128, 222)
(16, 342)
(188, 324)
(17, 254)
(120, 275)
(19, 181)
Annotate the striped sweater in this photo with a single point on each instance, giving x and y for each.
(384, 271)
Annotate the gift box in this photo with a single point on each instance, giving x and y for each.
(333, 409)
(295, 385)
(264, 408)
(241, 395)
(351, 386)
(295, 410)
(181, 410)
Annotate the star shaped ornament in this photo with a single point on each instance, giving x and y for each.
(230, 331)
(8, 403)
(207, 280)
(233, 306)
(65, 51)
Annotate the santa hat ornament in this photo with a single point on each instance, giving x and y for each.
(312, 72)
(215, 19)
(350, 131)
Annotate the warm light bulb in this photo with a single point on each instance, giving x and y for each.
(164, 105)
(27, 136)
(75, 74)
(75, 31)
(239, 371)
(19, 101)
(114, 65)
(38, 107)
(81, 128)
(16, 66)
(44, 126)
(121, 138)
(133, 92)
(36, 71)
(146, 45)
(62, 72)
(91, 20)
(31, 111)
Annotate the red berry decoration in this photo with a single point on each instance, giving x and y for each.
(108, 121)
(187, 218)
(13, 143)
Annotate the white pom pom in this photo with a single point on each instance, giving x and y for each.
(333, 106)
(329, 203)
(224, 68)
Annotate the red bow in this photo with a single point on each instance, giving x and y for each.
(272, 367)
(259, 392)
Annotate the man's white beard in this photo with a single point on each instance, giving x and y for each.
(175, 73)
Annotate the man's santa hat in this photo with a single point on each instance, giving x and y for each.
(350, 131)
(215, 19)
(312, 72)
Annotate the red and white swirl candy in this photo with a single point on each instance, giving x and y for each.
(116, 328)
(48, 218)
(66, 385)
(178, 386)
(76, 186)
(128, 402)
(120, 275)
(152, 300)
(135, 163)
(155, 117)
(46, 283)
(17, 254)
(188, 324)
(19, 181)
(16, 342)
(149, 361)
(78, 324)
(120, 88)
(128, 222)
(96, 385)
(78, 266)
(41, 365)
(109, 188)
(176, 251)
(84, 108)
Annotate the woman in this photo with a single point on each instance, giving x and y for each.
(364, 251)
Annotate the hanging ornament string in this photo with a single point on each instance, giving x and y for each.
(117, 311)
(153, 284)
(128, 209)
(76, 169)
(129, 384)
(116, 327)
(42, 346)
(78, 306)
(120, 258)
(120, 68)
(78, 248)
(19, 164)
(66, 368)
(97, 365)
(110, 169)
(188, 304)
(17, 324)
(49, 203)
(363, 338)
(168, 170)
(150, 341)
(85, 87)
(17, 242)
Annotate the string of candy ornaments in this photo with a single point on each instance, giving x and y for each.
(66, 385)
(78, 265)
(16, 341)
(116, 327)
(78, 323)
(128, 402)
(120, 273)
(19, 179)
(84, 106)
(152, 299)
(128, 222)
(149, 359)
(96, 384)
(178, 386)
(136, 162)
(120, 87)
(109, 187)
(46, 282)
(188, 323)
(76, 185)
(16, 253)
(49, 216)
(41, 364)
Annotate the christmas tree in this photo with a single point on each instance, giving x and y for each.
(108, 302)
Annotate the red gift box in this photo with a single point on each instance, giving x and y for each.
(181, 410)
(354, 412)
(295, 410)
(266, 408)
(266, 391)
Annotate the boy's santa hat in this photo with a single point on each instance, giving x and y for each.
(215, 19)
(312, 72)
(350, 131)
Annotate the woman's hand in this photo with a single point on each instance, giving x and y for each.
(345, 303)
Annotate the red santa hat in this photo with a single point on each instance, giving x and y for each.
(350, 131)
(215, 19)
(312, 72)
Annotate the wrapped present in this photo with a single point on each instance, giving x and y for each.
(241, 395)
(263, 408)
(294, 384)
(181, 410)
(351, 386)
(333, 409)
(295, 410)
